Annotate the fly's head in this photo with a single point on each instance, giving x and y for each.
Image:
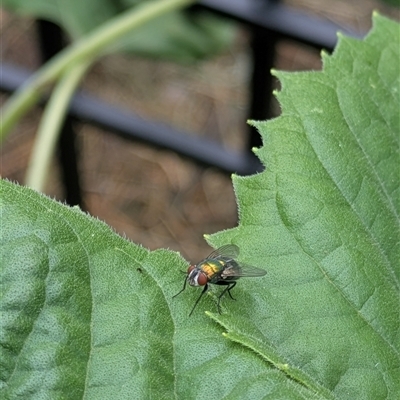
(196, 277)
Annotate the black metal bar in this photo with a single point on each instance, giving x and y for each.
(263, 45)
(51, 42)
(269, 22)
(286, 22)
(126, 124)
(129, 125)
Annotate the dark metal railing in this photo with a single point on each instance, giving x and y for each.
(268, 21)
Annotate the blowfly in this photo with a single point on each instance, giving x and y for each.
(219, 268)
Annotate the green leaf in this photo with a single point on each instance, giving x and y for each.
(86, 313)
(180, 36)
(323, 219)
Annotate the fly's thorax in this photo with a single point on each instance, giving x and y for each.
(212, 269)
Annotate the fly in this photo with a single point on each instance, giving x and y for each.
(219, 268)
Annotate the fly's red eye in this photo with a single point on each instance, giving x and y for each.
(190, 269)
(202, 279)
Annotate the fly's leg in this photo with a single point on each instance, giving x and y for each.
(229, 290)
(184, 286)
(229, 286)
(201, 295)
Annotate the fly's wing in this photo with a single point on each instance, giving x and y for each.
(241, 270)
(227, 251)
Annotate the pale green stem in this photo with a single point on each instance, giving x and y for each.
(87, 48)
(50, 126)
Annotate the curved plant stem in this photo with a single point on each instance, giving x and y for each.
(50, 126)
(87, 48)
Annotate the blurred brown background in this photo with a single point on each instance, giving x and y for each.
(155, 197)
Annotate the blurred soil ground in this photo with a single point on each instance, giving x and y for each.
(155, 197)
